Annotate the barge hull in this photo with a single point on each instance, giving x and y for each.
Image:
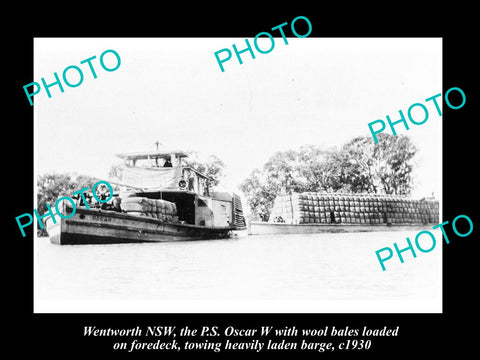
(265, 228)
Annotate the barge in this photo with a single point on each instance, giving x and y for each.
(309, 213)
(160, 198)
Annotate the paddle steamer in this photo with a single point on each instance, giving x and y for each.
(159, 198)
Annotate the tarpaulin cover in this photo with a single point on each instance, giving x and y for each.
(151, 178)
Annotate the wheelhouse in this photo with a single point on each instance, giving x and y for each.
(159, 170)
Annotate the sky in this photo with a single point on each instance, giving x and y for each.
(320, 91)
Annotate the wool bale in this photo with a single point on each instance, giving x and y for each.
(160, 205)
(134, 199)
(136, 213)
(135, 204)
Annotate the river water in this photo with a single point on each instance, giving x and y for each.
(314, 273)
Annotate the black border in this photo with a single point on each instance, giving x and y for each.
(56, 335)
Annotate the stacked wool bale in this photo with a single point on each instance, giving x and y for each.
(282, 210)
(315, 208)
(159, 209)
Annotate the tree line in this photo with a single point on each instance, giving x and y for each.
(51, 186)
(358, 166)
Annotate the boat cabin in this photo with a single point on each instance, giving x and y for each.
(166, 175)
(162, 170)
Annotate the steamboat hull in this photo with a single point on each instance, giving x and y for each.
(96, 226)
(265, 228)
